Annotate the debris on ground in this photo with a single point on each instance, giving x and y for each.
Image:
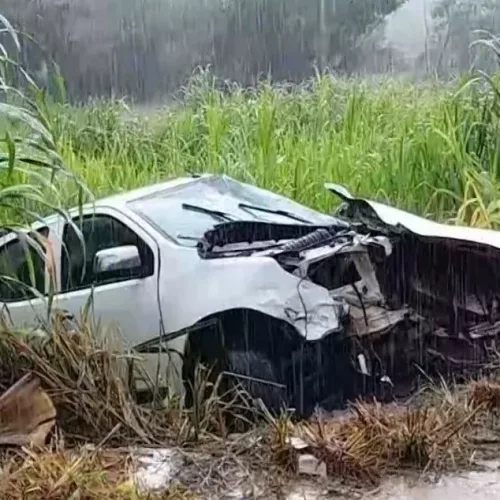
(156, 469)
(77, 474)
(485, 393)
(27, 414)
(311, 466)
(354, 453)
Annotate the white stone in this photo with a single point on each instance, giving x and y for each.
(311, 466)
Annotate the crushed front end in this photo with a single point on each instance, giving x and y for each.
(372, 348)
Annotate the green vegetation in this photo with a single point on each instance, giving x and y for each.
(431, 149)
(29, 156)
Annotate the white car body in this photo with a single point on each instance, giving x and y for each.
(181, 289)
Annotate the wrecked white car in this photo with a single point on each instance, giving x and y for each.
(300, 307)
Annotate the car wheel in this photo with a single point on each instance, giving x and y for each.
(146, 397)
(258, 377)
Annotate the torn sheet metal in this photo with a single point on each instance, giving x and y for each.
(312, 311)
(394, 316)
(396, 217)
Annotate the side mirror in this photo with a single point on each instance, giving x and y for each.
(123, 258)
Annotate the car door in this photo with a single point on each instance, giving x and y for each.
(23, 279)
(124, 301)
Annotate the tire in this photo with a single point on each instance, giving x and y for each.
(145, 397)
(257, 366)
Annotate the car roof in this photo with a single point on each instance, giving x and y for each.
(170, 188)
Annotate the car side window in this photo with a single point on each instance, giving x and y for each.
(22, 269)
(99, 233)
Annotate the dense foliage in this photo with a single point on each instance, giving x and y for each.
(433, 149)
(148, 48)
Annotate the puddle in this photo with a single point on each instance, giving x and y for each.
(466, 486)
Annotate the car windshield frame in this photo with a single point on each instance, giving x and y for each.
(199, 207)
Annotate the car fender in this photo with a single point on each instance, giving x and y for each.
(255, 283)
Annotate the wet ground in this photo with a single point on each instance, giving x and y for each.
(467, 486)
(156, 469)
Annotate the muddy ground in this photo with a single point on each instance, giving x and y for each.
(156, 469)
(226, 474)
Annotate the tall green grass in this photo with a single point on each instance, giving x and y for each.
(427, 148)
(30, 163)
(31, 168)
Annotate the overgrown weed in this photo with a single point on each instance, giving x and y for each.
(76, 474)
(438, 433)
(425, 149)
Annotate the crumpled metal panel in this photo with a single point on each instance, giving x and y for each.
(421, 226)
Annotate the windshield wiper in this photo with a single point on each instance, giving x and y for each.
(283, 213)
(214, 213)
(187, 237)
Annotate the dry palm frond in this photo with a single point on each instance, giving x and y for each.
(85, 380)
(27, 414)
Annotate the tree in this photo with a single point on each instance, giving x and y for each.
(286, 38)
(454, 24)
(143, 48)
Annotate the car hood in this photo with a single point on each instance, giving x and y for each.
(380, 216)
